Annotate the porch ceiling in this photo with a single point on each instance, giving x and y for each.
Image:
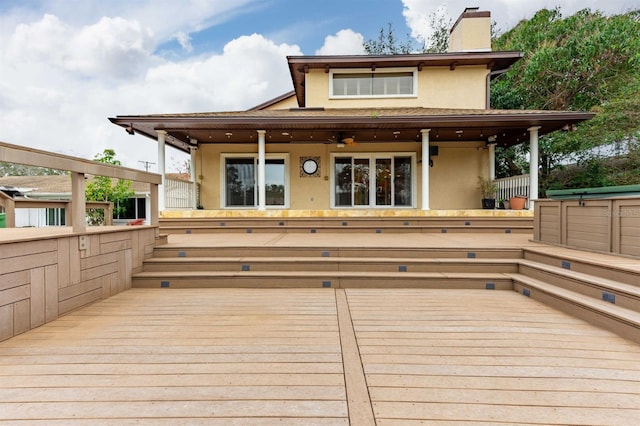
(370, 125)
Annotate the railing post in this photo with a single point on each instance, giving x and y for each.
(153, 204)
(78, 203)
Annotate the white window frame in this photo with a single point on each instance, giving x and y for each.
(270, 156)
(412, 70)
(372, 156)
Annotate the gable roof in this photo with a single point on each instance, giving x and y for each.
(299, 66)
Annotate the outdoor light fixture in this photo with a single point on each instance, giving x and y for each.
(491, 139)
(130, 130)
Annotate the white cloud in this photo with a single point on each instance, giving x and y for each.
(345, 42)
(59, 84)
(185, 41)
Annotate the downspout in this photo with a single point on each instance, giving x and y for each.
(488, 85)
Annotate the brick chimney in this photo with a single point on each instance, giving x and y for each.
(471, 32)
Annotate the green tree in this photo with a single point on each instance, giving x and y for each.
(102, 188)
(387, 44)
(586, 62)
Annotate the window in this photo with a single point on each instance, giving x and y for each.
(372, 84)
(241, 181)
(374, 180)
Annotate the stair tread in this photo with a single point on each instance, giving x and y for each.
(608, 308)
(628, 289)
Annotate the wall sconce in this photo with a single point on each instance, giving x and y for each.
(130, 130)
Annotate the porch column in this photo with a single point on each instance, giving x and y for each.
(194, 173)
(533, 165)
(492, 161)
(161, 152)
(262, 189)
(425, 168)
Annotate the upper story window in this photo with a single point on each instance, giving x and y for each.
(355, 83)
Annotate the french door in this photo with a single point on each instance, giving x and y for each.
(376, 180)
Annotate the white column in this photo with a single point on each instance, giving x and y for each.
(262, 189)
(533, 165)
(161, 152)
(425, 168)
(492, 161)
(194, 174)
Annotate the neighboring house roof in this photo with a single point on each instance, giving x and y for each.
(366, 124)
(51, 184)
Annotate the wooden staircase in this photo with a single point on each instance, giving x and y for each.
(601, 289)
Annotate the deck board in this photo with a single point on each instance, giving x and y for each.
(319, 356)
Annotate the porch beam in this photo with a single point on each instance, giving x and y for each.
(533, 165)
(262, 190)
(425, 168)
(162, 134)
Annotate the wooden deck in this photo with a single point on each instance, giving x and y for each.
(319, 356)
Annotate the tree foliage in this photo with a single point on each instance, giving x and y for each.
(11, 169)
(387, 43)
(102, 188)
(584, 62)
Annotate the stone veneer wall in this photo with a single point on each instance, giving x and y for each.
(43, 279)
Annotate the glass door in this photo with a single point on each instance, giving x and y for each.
(383, 182)
(361, 181)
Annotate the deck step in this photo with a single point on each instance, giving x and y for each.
(337, 252)
(313, 229)
(621, 269)
(334, 264)
(617, 319)
(332, 279)
(622, 294)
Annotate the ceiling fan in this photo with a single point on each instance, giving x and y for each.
(341, 140)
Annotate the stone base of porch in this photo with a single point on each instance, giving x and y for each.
(186, 214)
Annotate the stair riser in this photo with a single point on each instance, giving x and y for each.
(578, 286)
(341, 230)
(612, 273)
(348, 222)
(594, 317)
(386, 253)
(283, 265)
(333, 282)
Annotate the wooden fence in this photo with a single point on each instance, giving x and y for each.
(604, 225)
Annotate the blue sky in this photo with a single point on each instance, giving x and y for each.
(68, 65)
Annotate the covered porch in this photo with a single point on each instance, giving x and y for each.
(317, 159)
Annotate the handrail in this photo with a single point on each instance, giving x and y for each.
(78, 168)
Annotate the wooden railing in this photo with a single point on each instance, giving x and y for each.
(512, 186)
(179, 194)
(78, 168)
(9, 206)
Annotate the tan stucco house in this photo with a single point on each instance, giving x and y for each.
(401, 132)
